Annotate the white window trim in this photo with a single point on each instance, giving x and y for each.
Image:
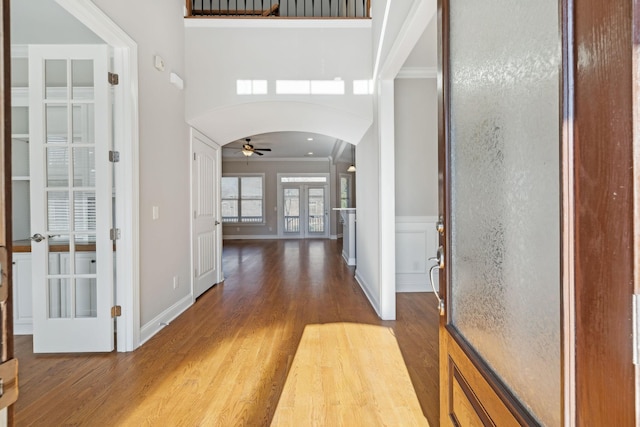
(246, 175)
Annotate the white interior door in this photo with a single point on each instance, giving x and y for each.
(71, 198)
(205, 235)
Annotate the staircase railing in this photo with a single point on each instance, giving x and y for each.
(351, 9)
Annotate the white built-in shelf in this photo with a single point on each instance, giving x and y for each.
(20, 178)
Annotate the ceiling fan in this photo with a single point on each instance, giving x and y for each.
(248, 149)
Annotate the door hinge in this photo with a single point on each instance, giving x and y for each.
(116, 311)
(194, 156)
(8, 383)
(113, 79)
(114, 156)
(114, 234)
(636, 328)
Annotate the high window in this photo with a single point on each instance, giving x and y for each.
(243, 199)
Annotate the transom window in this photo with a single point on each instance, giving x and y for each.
(243, 199)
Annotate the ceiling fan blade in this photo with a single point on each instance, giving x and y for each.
(258, 153)
(262, 149)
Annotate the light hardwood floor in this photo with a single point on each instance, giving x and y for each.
(225, 360)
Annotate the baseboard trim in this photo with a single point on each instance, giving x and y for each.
(24, 329)
(163, 319)
(372, 300)
(349, 261)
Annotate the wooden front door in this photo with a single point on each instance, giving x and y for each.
(537, 204)
(501, 332)
(8, 365)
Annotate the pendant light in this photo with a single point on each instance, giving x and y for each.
(352, 168)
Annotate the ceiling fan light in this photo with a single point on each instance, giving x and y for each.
(351, 168)
(247, 152)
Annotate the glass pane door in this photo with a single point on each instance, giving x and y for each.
(291, 199)
(316, 210)
(70, 186)
(71, 198)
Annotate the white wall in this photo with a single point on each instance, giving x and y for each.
(157, 28)
(218, 56)
(45, 22)
(416, 145)
(367, 217)
(376, 233)
(416, 176)
(396, 16)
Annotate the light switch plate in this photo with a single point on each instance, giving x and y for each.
(158, 62)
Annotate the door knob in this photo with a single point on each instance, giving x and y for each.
(37, 238)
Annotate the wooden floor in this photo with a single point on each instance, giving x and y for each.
(225, 361)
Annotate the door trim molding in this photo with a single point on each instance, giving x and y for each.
(126, 131)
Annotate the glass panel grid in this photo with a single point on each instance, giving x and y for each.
(242, 199)
(291, 210)
(316, 210)
(56, 78)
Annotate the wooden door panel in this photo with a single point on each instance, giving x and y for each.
(468, 400)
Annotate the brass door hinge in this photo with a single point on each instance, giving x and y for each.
(113, 79)
(116, 311)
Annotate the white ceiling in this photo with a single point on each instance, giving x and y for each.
(286, 145)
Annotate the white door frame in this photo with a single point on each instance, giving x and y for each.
(328, 198)
(195, 134)
(419, 16)
(126, 173)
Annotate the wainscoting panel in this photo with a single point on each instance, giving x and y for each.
(416, 241)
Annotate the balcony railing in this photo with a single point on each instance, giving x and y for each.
(352, 9)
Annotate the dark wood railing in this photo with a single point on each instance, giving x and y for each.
(352, 9)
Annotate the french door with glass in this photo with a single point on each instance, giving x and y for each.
(304, 210)
(71, 198)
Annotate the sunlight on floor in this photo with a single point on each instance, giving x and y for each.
(229, 380)
(347, 374)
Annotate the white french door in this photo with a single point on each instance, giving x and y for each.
(304, 212)
(71, 198)
(205, 205)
